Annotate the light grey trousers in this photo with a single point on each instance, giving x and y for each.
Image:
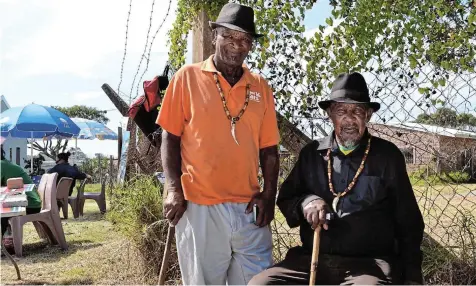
(220, 244)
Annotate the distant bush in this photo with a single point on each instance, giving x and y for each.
(423, 177)
(96, 168)
(458, 177)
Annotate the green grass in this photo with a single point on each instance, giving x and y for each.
(444, 189)
(449, 247)
(100, 254)
(97, 254)
(422, 178)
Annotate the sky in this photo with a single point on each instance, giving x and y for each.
(60, 52)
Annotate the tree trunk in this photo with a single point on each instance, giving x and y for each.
(120, 104)
(142, 153)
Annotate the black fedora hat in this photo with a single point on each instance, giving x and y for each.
(236, 17)
(350, 88)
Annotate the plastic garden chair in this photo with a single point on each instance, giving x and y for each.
(47, 222)
(75, 202)
(62, 194)
(100, 197)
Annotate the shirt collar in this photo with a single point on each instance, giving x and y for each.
(209, 66)
(331, 142)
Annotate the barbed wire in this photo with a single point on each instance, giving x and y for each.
(125, 45)
(441, 166)
(143, 53)
(448, 206)
(150, 48)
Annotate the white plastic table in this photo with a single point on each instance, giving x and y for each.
(16, 207)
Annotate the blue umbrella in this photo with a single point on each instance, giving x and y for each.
(91, 129)
(36, 121)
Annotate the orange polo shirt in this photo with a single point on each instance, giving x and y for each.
(214, 168)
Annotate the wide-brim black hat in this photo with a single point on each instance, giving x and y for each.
(237, 17)
(350, 88)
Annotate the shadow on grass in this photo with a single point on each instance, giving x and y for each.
(30, 282)
(44, 252)
(87, 217)
(77, 281)
(69, 281)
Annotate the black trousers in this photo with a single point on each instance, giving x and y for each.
(331, 270)
(28, 211)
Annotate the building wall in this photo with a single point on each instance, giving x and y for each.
(14, 146)
(420, 148)
(458, 154)
(440, 153)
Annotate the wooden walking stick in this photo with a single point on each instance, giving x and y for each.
(315, 254)
(166, 257)
(315, 248)
(167, 251)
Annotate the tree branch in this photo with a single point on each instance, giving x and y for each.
(65, 145)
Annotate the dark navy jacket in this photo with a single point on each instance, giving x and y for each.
(66, 170)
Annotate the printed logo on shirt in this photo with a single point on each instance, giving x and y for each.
(255, 96)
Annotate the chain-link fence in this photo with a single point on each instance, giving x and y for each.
(427, 112)
(100, 167)
(434, 129)
(440, 156)
(439, 149)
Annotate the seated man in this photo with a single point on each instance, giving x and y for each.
(64, 169)
(378, 228)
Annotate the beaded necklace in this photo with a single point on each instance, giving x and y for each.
(227, 111)
(335, 201)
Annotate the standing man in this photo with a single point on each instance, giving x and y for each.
(219, 122)
(376, 236)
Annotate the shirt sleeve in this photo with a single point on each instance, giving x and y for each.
(269, 132)
(171, 115)
(52, 170)
(79, 175)
(408, 220)
(294, 193)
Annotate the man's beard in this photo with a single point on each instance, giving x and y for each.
(348, 136)
(349, 144)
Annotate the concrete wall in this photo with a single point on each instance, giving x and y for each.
(10, 147)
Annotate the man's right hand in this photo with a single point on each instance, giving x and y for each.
(315, 213)
(174, 206)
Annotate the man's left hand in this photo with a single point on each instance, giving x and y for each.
(265, 202)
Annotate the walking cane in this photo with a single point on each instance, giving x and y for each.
(315, 249)
(165, 258)
(167, 251)
(315, 254)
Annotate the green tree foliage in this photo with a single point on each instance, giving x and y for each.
(51, 150)
(447, 117)
(37, 162)
(437, 34)
(86, 112)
